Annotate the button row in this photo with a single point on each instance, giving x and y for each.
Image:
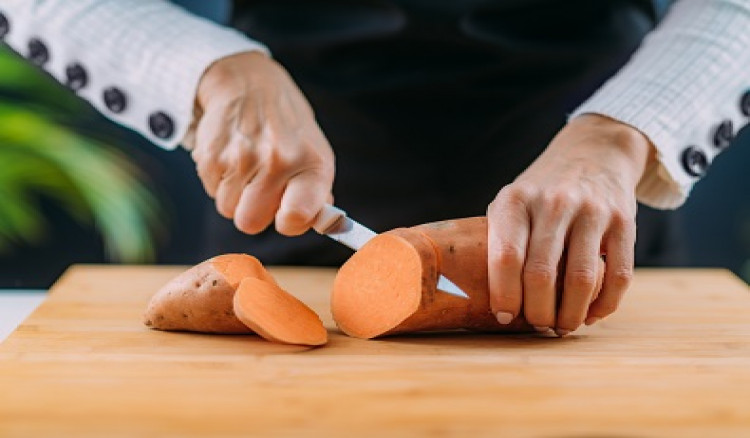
(77, 78)
(695, 161)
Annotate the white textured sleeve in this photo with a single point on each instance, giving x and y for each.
(687, 88)
(137, 61)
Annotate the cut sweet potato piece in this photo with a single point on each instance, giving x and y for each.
(389, 285)
(205, 299)
(200, 299)
(276, 315)
(384, 283)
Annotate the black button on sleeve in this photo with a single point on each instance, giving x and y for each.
(745, 104)
(723, 134)
(694, 161)
(76, 76)
(38, 53)
(115, 100)
(4, 25)
(161, 125)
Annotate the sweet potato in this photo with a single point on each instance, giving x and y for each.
(200, 299)
(210, 296)
(389, 285)
(277, 315)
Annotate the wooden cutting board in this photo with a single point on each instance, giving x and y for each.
(673, 361)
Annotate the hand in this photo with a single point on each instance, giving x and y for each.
(258, 149)
(573, 204)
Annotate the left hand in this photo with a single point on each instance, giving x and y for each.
(574, 203)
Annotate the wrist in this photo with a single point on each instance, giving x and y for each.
(226, 75)
(632, 144)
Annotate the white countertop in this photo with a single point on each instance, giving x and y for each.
(15, 306)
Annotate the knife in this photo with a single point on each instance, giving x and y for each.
(334, 223)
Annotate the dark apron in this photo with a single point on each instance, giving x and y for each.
(432, 106)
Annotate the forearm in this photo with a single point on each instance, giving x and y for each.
(137, 61)
(686, 90)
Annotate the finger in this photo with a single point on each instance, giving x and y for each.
(508, 231)
(619, 246)
(581, 273)
(243, 169)
(303, 198)
(258, 203)
(602, 267)
(211, 138)
(229, 192)
(546, 243)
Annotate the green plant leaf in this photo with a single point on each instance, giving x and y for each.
(92, 181)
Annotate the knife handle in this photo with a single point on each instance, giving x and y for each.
(327, 218)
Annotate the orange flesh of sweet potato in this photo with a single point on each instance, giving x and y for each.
(389, 285)
(382, 284)
(276, 315)
(235, 267)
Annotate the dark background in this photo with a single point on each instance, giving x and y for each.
(716, 217)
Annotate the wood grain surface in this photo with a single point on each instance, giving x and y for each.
(674, 361)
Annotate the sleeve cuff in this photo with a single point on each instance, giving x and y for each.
(687, 89)
(138, 62)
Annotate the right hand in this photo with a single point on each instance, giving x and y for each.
(258, 149)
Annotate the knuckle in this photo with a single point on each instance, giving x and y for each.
(539, 274)
(514, 194)
(208, 164)
(246, 156)
(593, 208)
(560, 200)
(622, 220)
(197, 154)
(283, 160)
(620, 279)
(581, 278)
(507, 255)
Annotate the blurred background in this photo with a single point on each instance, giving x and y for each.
(76, 188)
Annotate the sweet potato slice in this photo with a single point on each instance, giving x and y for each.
(384, 283)
(276, 315)
(389, 285)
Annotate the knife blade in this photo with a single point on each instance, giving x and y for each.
(334, 223)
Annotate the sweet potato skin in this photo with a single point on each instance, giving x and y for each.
(198, 300)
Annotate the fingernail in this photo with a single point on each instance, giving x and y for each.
(541, 329)
(504, 318)
(561, 332)
(592, 320)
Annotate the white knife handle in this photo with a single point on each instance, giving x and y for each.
(327, 217)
